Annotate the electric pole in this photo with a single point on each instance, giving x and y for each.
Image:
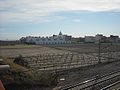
(99, 51)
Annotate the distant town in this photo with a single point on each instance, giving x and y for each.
(63, 39)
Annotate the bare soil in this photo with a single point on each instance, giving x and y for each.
(13, 51)
(71, 76)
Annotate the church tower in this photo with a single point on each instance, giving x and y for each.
(60, 33)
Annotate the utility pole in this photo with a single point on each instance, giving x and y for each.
(99, 51)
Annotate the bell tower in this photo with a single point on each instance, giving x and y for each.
(60, 33)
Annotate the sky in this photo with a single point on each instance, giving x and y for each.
(79, 18)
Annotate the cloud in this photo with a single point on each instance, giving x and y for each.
(40, 10)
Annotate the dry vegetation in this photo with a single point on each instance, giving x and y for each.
(15, 68)
(26, 50)
(19, 77)
(61, 56)
(31, 50)
(40, 58)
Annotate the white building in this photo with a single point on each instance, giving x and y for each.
(95, 39)
(99, 38)
(55, 39)
(114, 38)
(89, 39)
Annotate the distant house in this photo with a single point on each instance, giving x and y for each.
(89, 39)
(75, 40)
(82, 39)
(66, 39)
(101, 38)
(55, 39)
(114, 39)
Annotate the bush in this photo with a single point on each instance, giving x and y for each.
(19, 60)
(46, 78)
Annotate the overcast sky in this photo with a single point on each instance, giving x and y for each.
(47, 17)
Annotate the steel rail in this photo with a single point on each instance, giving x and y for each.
(111, 85)
(90, 80)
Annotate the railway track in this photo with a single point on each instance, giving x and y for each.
(115, 86)
(96, 83)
